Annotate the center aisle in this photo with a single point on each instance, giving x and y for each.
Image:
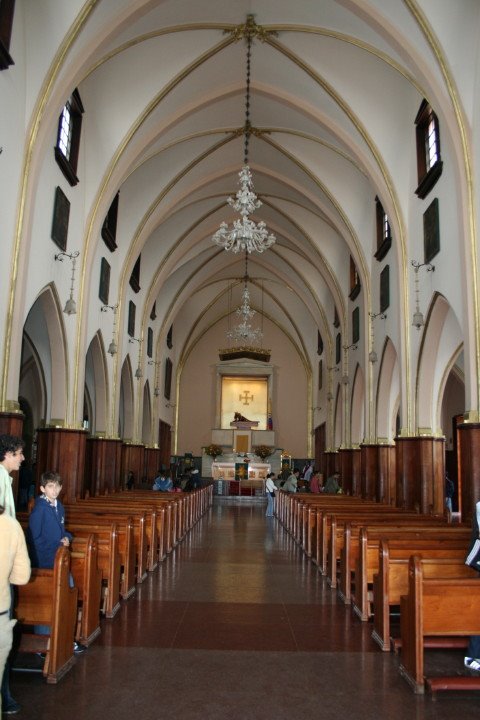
(235, 624)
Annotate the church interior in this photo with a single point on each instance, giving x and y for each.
(233, 226)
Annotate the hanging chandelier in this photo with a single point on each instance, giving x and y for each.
(244, 333)
(245, 235)
(245, 338)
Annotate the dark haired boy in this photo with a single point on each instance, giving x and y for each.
(11, 457)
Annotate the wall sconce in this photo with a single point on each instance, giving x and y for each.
(112, 348)
(156, 391)
(316, 408)
(138, 371)
(70, 306)
(418, 320)
(170, 405)
(333, 368)
(353, 346)
(372, 355)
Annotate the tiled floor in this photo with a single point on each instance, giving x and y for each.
(236, 624)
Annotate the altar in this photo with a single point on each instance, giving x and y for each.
(241, 478)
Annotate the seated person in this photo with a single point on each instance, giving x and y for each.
(290, 484)
(316, 483)
(332, 485)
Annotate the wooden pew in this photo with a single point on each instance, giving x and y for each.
(438, 608)
(442, 558)
(88, 579)
(49, 600)
(368, 558)
(125, 545)
(111, 513)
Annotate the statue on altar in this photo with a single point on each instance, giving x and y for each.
(238, 417)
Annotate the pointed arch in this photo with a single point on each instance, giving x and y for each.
(388, 390)
(96, 383)
(441, 339)
(125, 415)
(357, 415)
(47, 347)
(147, 415)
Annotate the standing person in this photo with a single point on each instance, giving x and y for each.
(308, 472)
(11, 457)
(130, 480)
(291, 482)
(332, 485)
(472, 660)
(270, 489)
(14, 568)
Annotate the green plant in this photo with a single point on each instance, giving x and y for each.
(263, 451)
(213, 450)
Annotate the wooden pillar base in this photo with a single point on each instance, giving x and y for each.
(421, 474)
(103, 465)
(133, 458)
(350, 470)
(369, 471)
(63, 451)
(468, 469)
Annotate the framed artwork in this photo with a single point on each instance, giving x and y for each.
(385, 288)
(431, 232)
(61, 216)
(320, 374)
(168, 379)
(356, 325)
(104, 289)
(338, 348)
(150, 342)
(131, 318)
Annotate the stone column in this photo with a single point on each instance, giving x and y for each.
(420, 473)
(63, 450)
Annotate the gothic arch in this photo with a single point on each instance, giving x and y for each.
(357, 412)
(441, 339)
(125, 415)
(388, 390)
(147, 415)
(96, 383)
(47, 347)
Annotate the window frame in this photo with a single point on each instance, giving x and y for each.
(109, 227)
(355, 285)
(7, 11)
(68, 165)
(427, 176)
(384, 239)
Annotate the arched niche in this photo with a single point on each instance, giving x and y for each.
(441, 340)
(147, 415)
(96, 384)
(388, 390)
(357, 412)
(44, 359)
(125, 415)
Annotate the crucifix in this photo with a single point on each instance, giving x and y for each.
(246, 397)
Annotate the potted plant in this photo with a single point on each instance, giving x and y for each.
(263, 451)
(213, 450)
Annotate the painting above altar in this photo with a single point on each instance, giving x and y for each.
(248, 395)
